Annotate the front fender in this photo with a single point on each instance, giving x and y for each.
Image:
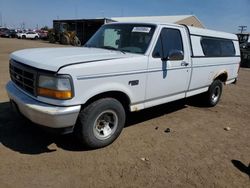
(103, 88)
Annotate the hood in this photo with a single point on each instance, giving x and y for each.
(53, 58)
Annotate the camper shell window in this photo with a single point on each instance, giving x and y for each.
(215, 47)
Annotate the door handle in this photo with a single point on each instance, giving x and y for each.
(184, 63)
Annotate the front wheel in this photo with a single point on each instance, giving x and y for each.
(65, 40)
(100, 123)
(52, 39)
(213, 94)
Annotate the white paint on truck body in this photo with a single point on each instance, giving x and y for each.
(95, 71)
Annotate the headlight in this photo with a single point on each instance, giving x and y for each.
(55, 87)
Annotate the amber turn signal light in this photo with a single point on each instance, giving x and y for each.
(56, 94)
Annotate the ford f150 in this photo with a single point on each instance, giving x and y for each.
(123, 67)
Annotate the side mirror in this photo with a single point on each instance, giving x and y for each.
(174, 55)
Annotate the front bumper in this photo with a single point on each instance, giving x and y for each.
(40, 113)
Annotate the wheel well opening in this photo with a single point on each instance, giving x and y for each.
(120, 96)
(222, 77)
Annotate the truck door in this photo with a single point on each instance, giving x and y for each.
(168, 80)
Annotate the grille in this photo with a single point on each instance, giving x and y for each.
(23, 77)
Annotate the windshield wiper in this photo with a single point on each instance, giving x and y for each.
(113, 48)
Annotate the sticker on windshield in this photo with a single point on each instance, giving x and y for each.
(141, 29)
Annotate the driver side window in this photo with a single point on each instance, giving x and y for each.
(169, 39)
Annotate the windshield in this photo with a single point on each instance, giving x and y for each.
(134, 38)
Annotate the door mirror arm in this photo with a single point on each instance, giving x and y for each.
(164, 58)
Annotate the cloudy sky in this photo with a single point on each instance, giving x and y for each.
(225, 15)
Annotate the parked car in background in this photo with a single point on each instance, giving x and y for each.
(19, 33)
(43, 34)
(28, 35)
(9, 33)
(3, 30)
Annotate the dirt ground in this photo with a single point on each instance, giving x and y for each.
(197, 152)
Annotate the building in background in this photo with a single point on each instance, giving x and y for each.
(85, 28)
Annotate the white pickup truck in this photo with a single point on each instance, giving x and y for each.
(123, 67)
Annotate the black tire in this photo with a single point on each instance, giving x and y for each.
(52, 39)
(23, 37)
(65, 40)
(213, 94)
(90, 127)
(76, 41)
(36, 37)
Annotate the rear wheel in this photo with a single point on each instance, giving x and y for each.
(214, 92)
(23, 37)
(36, 37)
(100, 123)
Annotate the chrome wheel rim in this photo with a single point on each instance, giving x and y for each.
(216, 94)
(105, 124)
